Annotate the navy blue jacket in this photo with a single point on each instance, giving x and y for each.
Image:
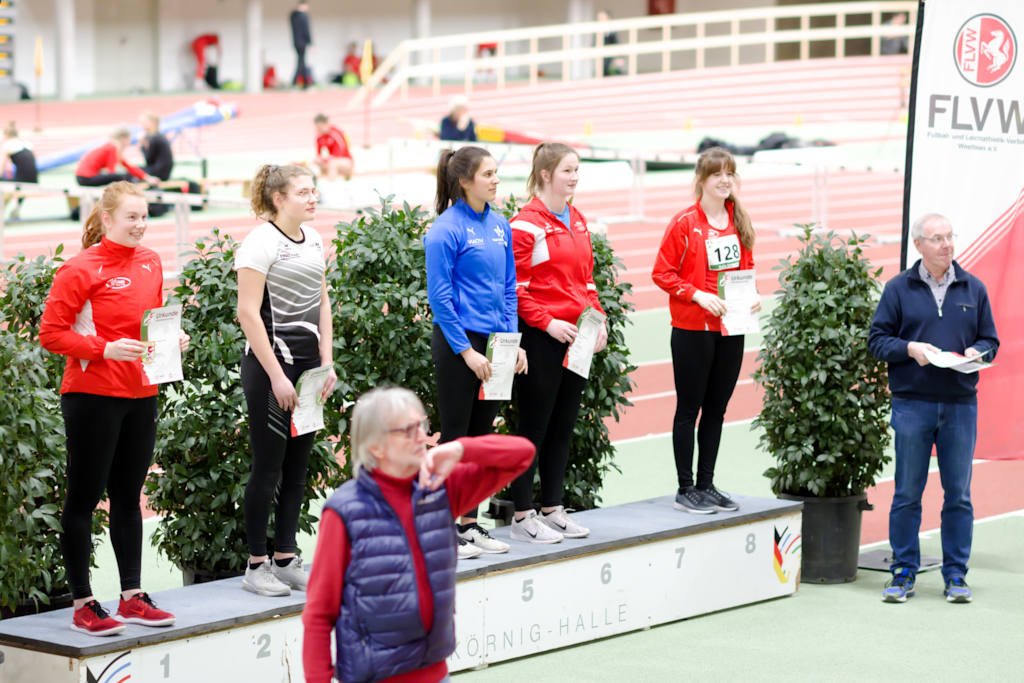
(907, 313)
(450, 130)
(379, 632)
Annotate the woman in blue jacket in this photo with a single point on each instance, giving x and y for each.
(471, 285)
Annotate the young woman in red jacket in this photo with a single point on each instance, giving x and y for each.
(706, 364)
(93, 316)
(554, 284)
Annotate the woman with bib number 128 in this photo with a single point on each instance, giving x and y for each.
(712, 236)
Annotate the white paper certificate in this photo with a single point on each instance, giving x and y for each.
(161, 331)
(503, 352)
(581, 352)
(956, 361)
(308, 416)
(738, 289)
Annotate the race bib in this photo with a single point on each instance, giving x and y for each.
(723, 252)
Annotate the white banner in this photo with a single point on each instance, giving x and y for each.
(967, 162)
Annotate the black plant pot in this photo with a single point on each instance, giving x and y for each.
(830, 537)
(24, 608)
(191, 575)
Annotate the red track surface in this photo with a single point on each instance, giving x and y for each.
(818, 91)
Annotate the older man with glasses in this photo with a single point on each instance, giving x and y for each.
(384, 573)
(933, 306)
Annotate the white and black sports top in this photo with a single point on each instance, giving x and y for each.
(291, 298)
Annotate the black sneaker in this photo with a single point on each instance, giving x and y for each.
(693, 501)
(719, 500)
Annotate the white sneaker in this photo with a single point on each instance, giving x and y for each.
(477, 536)
(530, 529)
(263, 582)
(467, 551)
(558, 519)
(292, 574)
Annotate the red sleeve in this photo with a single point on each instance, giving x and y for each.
(342, 142)
(135, 171)
(488, 464)
(530, 310)
(668, 263)
(323, 597)
(68, 295)
(595, 300)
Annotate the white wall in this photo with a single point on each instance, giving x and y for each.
(334, 25)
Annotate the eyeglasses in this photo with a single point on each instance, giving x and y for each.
(410, 429)
(940, 239)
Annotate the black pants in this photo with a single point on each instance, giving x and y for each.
(110, 447)
(101, 179)
(302, 76)
(706, 366)
(279, 460)
(548, 398)
(462, 413)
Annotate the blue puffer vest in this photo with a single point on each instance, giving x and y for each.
(379, 632)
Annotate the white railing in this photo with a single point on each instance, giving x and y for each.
(696, 40)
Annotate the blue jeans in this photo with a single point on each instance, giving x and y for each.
(952, 428)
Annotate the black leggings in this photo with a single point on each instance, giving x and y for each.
(279, 460)
(462, 413)
(110, 446)
(706, 366)
(548, 397)
(101, 179)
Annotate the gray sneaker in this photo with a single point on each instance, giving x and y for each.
(719, 500)
(559, 520)
(263, 582)
(292, 574)
(693, 501)
(532, 530)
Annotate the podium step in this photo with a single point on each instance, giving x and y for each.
(644, 564)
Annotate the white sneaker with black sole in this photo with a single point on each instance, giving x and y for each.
(532, 530)
(476, 535)
(467, 551)
(263, 582)
(292, 574)
(559, 520)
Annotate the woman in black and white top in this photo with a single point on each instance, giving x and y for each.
(286, 317)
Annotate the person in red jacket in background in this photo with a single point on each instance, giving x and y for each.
(392, 467)
(333, 157)
(554, 284)
(93, 316)
(98, 166)
(712, 236)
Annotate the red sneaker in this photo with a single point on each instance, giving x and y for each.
(139, 609)
(91, 618)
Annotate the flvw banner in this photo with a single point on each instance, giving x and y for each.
(966, 160)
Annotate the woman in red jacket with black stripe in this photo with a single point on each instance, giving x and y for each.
(712, 236)
(93, 316)
(554, 284)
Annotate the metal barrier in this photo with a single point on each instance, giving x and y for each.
(804, 30)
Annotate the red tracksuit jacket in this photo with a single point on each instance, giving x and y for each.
(99, 296)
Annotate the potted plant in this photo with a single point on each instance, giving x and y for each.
(826, 404)
(202, 452)
(32, 451)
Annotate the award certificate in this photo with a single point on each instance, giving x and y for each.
(738, 289)
(161, 332)
(503, 352)
(580, 354)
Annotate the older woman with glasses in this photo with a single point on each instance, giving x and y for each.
(395, 518)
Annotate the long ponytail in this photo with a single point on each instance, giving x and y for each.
(452, 167)
(109, 202)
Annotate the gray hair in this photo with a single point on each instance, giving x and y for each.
(917, 229)
(371, 420)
